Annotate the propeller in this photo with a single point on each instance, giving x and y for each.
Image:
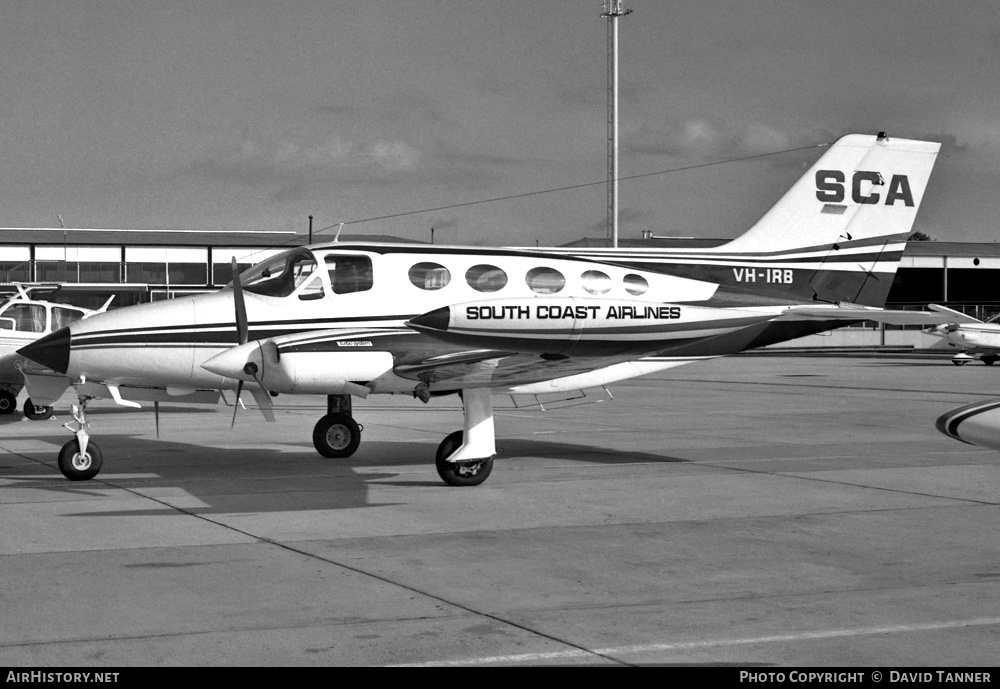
(243, 335)
(242, 328)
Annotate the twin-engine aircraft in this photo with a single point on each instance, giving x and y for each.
(353, 319)
(24, 319)
(970, 335)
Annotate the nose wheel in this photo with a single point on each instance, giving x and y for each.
(80, 459)
(77, 465)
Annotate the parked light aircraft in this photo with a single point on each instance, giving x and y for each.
(24, 320)
(355, 319)
(971, 335)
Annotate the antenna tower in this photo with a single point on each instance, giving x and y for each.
(613, 10)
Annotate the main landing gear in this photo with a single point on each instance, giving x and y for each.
(8, 401)
(8, 405)
(80, 459)
(464, 458)
(337, 435)
(36, 412)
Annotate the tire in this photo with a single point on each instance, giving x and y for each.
(8, 402)
(36, 413)
(958, 362)
(76, 467)
(460, 473)
(336, 436)
(989, 360)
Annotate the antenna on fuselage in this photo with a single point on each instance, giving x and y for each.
(336, 237)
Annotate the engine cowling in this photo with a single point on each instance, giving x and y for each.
(285, 365)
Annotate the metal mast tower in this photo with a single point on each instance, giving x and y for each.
(613, 10)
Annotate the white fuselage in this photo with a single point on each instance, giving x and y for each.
(165, 343)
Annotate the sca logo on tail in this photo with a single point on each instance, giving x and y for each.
(830, 187)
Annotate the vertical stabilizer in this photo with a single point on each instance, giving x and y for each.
(863, 187)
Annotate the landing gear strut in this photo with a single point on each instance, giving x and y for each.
(80, 459)
(465, 458)
(337, 435)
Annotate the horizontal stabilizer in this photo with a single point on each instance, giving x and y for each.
(953, 316)
(859, 313)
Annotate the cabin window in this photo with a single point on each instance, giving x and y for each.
(62, 316)
(281, 275)
(596, 282)
(313, 289)
(28, 318)
(430, 276)
(486, 278)
(635, 284)
(545, 280)
(349, 273)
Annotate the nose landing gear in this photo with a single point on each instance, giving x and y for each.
(80, 459)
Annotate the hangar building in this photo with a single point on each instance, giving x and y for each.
(86, 266)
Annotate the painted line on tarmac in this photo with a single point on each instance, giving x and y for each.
(573, 654)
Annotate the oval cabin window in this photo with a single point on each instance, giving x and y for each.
(596, 282)
(486, 278)
(545, 280)
(635, 284)
(430, 276)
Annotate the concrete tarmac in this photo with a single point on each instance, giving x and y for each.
(748, 511)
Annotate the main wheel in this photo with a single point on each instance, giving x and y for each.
(336, 435)
(36, 413)
(8, 402)
(958, 362)
(460, 473)
(79, 466)
(989, 360)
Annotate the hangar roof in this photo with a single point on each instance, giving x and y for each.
(123, 237)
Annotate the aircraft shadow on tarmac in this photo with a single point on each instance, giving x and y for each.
(259, 480)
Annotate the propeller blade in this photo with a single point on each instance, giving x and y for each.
(236, 405)
(242, 328)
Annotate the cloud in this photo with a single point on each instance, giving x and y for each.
(703, 139)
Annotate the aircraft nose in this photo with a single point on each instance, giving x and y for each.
(51, 351)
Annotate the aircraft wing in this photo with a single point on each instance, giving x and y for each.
(484, 368)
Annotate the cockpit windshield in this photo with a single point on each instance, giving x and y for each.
(281, 275)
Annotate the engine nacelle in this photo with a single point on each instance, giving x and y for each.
(281, 365)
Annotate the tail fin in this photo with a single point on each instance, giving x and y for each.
(839, 233)
(863, 187)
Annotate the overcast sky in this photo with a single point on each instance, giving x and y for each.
(243, 114)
